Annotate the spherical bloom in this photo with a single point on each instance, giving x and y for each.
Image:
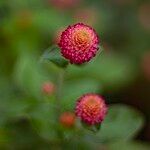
(91, 109)
(67, 119)
(48, 88)
(79, 43)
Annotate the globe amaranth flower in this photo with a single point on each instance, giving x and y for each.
(91, 109)
(67, 119)
(48, 88)
(79, 43)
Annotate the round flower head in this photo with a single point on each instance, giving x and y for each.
(91, 109)
(67, 119)
(79, 43)
(48, 88)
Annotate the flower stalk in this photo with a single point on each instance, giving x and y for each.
(60, 82)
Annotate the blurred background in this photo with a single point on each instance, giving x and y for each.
(121, 73)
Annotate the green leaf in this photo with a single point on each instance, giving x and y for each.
(108, 69)
(43, 120)
(98, 126)
(93, 128)
(54, 56)
(121, 123)
(29, 75)
(4, 136)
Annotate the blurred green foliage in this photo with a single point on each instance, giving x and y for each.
(27, 115)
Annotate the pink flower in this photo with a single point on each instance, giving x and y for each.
(48, 88)
(91, 109)
(67, 119)
(79, 43)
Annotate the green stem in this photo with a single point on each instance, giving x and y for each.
(59, 95)
(59, 91)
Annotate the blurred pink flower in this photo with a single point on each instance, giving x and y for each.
(91, 109)
(79, 43)
(67, 119)
(48, 88)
